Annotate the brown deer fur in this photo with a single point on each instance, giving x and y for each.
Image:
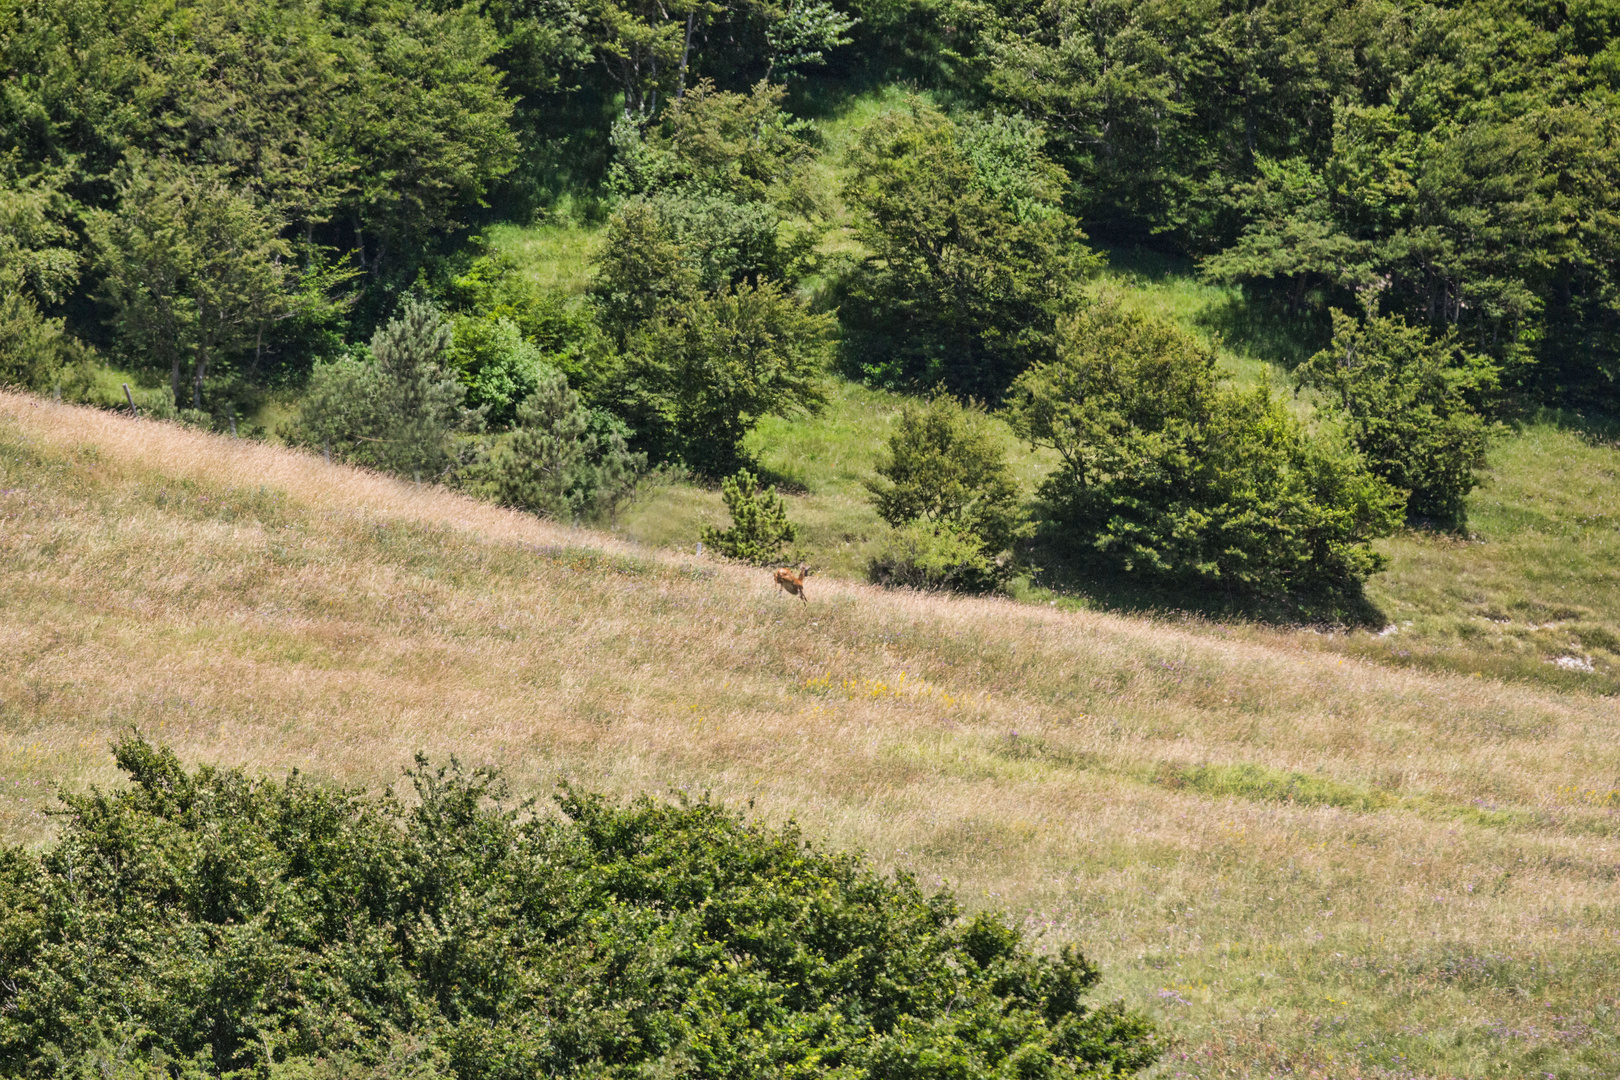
(793, 584)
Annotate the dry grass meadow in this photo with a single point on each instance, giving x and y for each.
(1307, 864)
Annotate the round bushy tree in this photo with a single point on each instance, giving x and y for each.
(971, 256)
(1173, 474)
(1413, 406)
(944, 484)
(401, 410)
(563, 462)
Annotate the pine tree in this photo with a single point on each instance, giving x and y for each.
(759, 522)
(557, 466)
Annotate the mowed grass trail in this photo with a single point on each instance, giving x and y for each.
(1307, 864)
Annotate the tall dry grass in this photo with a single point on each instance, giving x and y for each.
(1306, 863)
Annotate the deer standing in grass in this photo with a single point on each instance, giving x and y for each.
(793, 584)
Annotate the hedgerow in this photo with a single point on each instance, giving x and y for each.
(210, 924)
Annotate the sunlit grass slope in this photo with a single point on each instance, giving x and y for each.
(1533, 591)
(1305, 863)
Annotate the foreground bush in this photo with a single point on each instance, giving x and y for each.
(208, 924)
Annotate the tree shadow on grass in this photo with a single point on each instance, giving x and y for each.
(1589, 425)
(1104, 584)
(1145, 265)
(1266, 329)
(1250, 322)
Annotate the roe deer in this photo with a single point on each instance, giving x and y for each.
(793, 583)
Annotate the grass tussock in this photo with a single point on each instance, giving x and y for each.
(1306, 862)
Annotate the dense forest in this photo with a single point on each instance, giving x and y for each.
(233, 201)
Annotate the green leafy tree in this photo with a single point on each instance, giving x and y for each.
(645, 47)
(744, 146)
(370, 128)
(564, 462)
(502, 314)
(192, 268)
(759, 525)
(714, 187)
(663, 250)
(1311, 150)
(426, 127)
(1293, 239)
(640, 269)
(970, 254)
(803, 35)
(1413, 406)
(401, 411)
(37, 263)
(944, 465)
(497, 364)
(699, 377)
(1170, 474)
(658, 52)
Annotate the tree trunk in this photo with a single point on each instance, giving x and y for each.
(686, 49)
(258, 350)
(201, 374)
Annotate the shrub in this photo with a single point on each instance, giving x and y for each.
(564, 461)
(1412, 405)
(759, 524)
(36, 264)
(1175, 475)
(970, 256)
(497, 365)
(400, 411)
(936, 555)
(944, 466)
(209, 924)
(32, 347)
(502, 314)
(640, 268)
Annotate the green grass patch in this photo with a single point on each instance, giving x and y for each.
(1260, 783)
(554, 257)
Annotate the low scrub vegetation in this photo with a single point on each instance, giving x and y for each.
(207, 923)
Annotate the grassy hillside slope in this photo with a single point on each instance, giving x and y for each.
(1305, 863)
